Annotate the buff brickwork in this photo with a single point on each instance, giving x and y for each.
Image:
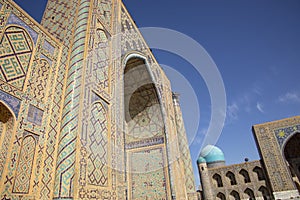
(85, 110)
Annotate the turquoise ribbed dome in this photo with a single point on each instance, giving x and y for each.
(212, 154)
(201, 160)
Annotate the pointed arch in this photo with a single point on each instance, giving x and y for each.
(218, 180)
(234, 195)
(221, 196)
(245, 175)
(291, 153)
(142, 107)
(259, 172)
(7, 122)
(231, 178)
(250, 194)
(264, 192)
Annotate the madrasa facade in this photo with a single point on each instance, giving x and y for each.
(86, 112)
(275, 176)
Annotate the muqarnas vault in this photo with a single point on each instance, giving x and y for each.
(85, 110)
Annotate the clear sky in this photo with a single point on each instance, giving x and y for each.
(256, 47)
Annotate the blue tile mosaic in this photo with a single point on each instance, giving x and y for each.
(11, 101)
(13, 19)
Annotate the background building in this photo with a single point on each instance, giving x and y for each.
(86, 112)
(275, 176)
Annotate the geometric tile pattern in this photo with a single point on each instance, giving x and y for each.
(35, 115)
(15, 20)
(59, 19)
(104, 10)
(25, 164)
(97, 141)
(145, 112)
(184, 147)
(147, 174)
(39, 79)
(283, 134)
(11, 101)
(65, 169)
(101, 62)
(15, 50)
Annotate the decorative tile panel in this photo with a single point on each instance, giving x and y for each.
(47, 46)
(283, 134)
(35, 115)
(11, 101)
(98, 146)
(15, 50)
(147, 174)
(13, 19)
(25, 164)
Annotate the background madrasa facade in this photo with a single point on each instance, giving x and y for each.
(84, 114)
(275, 176)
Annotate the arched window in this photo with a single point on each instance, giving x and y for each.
(221, 196)
(246, 176)
(264, 193)
(234, 195)
(250, 194)
(218, 180)
(259, 172)
(231, 178)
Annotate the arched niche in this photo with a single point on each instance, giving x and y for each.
(291, 152)
(142, 108)
(7, 121)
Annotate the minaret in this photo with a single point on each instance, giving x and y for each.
(205, 179)
(184, 149)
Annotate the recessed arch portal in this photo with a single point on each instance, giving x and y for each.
(142, 109)
(291, 152)
(144, 133)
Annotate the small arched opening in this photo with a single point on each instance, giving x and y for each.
(231, 178)
(250, 194)
(259, 172)
(264, 193)
(234, 195)
(221, 196)
(245, 175)
(218, 180)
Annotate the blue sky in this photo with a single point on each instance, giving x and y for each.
(256, 47)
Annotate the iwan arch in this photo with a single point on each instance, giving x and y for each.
(86, 111)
